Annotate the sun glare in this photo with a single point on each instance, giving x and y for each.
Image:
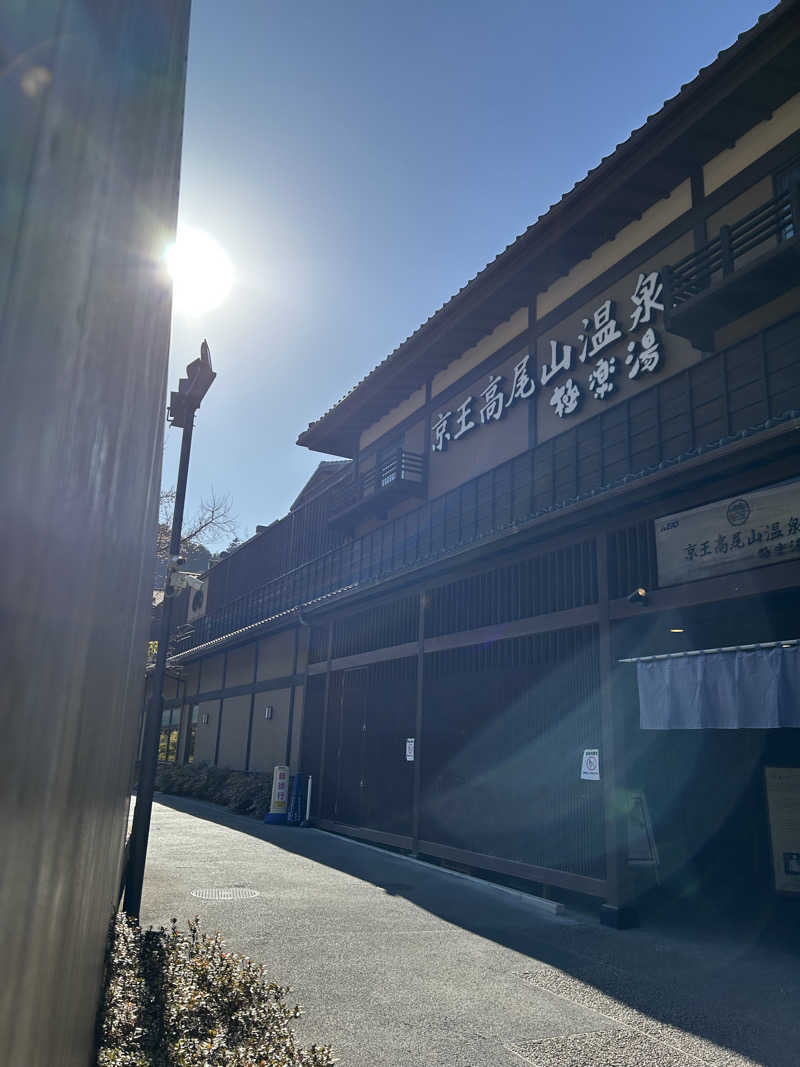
(201, 272)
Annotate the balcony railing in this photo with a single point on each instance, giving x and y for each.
(747, 264)
(396, 476)
(534, 484)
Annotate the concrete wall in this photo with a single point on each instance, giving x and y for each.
(473, 357)
(91, 100)
(276, 656)
(211, 673)
(191, 676)
(205, 744)
(752, 145)
(269, 736)
(171, 688)
(268, 745)
(659, 215)
(241, 663)
(393, 418)
(760, 319)
(233, 735)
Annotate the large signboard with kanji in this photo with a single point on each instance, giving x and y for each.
(608, 350)
(483, 424)
(730, 535)
(603, 353)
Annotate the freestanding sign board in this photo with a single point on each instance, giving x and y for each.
(730, 535)
(280, 795)
(783, 803)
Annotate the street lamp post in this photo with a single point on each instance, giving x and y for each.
(182, 407)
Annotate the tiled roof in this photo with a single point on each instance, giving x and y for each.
(253, 628)
(628, 146)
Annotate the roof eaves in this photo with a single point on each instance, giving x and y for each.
(552, 216)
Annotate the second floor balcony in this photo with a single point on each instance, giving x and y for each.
(537, 483)
(396, 476)
(745, 266)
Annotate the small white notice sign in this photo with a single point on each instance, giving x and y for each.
(409, 749)
(590, 765)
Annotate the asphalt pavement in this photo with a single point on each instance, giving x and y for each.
(402, 963)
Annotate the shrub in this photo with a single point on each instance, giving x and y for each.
(177, 1000)
(248, 793)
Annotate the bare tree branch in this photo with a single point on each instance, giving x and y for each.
(213, 521)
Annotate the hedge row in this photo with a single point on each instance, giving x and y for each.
(178, 1000)
(243, 792)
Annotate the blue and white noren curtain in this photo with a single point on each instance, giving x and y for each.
(758, 689)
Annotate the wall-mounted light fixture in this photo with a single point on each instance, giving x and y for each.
(638, 596)
(676, 630)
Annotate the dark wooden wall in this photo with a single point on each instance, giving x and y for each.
(728, 394)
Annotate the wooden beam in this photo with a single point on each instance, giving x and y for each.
(771, 578)
(364, 659)
(505, 631)
(530, 872)
(364, 833)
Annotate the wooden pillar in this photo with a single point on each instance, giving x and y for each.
(183, 723)
(288, 759)
(323, 742)
(221, 703)
(419, 720)
(699, 230)
(252, 709)
(615, 912)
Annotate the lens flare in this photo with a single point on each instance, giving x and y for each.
(201, 272)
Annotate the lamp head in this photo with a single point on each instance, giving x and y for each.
(192, 388)
(638, 596)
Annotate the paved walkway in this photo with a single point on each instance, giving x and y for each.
(400, 963)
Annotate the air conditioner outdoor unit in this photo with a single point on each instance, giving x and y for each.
(198, 593)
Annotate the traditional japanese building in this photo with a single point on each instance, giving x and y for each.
(541, 617)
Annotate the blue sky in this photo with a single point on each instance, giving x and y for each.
(361, 160)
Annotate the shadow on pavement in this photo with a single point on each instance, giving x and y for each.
(726, 977)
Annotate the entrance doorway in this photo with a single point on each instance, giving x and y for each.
(371, 716)
(705, 788)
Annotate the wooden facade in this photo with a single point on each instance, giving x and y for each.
(465, 579)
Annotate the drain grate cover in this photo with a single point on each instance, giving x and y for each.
(235, 892)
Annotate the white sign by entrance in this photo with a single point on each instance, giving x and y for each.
(730, 535)
(783, 803)
(280, 790)
(409, 749)
(590, 765)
